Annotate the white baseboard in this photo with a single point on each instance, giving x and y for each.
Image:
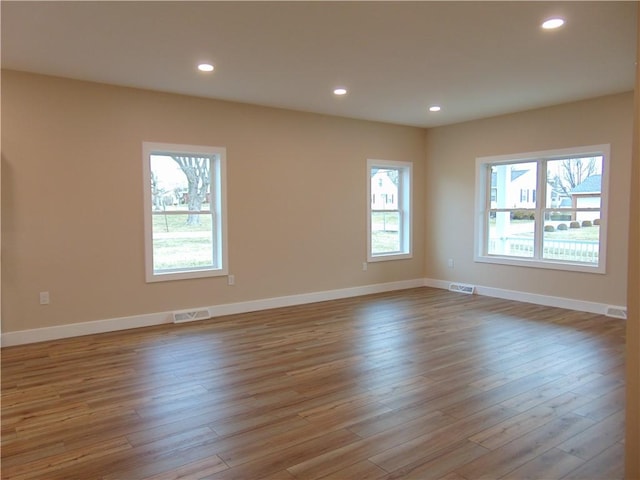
(22, 337)
(546, 300)
(123, 323)
(135, 321)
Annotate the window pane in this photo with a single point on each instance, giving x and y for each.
(385, 232)
(552, 221)
(511, 233)
(574, 240)
(170, 185)
(574, 182)
(513, 185)
(384, 188)
(182, 242)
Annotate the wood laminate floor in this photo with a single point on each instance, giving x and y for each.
(415, 384)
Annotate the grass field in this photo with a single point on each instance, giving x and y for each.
(179, 245)
(385, 237)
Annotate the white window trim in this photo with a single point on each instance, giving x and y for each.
(404, 206)
(219, 215)
(483, 185)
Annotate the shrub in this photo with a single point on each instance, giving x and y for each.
(596, 221)
(574, 225)
(556, 216)
(587, 223)
(562, 226)
(549, 228)
(522, 215)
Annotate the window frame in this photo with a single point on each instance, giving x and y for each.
(405, 209)
(483, 207)
(218, 212)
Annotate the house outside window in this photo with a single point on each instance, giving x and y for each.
(184, 211)
(543, 209)
(389, 210)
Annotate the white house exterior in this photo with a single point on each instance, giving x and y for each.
(514, 186)
(384, 193)
(587, 195)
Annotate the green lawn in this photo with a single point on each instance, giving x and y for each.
(178, 223)
(582, 233)
(384, 232)
(178, 245)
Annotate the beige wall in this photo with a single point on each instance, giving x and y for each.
(632, 443)
(72, 199)
(72, 203)
(450, 191)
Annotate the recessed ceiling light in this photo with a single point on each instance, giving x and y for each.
(340, 91)
(205, 67)
(552, 23)
(435, 108)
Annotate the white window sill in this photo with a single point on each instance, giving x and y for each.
(537, 263)
(390, 256)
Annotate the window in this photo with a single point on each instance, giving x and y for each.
(389, 210)
(184, 204)
(543, 209)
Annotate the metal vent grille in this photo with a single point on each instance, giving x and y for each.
(462, 288)
(190, 315)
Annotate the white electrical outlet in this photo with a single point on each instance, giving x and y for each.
(231, 280)
(365, 265)
(44, 298)
(450, 263)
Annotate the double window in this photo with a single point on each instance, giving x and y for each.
(389, 210)
(543, 209)
(184, 202)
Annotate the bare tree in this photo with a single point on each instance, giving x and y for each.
(196, 169)
(573, 172)
(156, 192)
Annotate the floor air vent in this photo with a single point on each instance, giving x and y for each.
(190, 315)
(616, 312)
(462, 288)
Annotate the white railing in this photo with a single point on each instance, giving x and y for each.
(572, 250)
(585, 251)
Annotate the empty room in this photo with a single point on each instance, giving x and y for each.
(319, 240)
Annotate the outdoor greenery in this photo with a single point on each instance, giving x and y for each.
(184, 252)
(556, 230)
(560, 241)
(385, 235)
(385, 242)
(173, 223)
(177, 244)
(584, 233)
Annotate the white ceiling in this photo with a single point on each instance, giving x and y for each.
(475, 59)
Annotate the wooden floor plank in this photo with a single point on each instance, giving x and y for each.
(440, 463)
(503, 460)
(553, 463)
(341, 458)
(420, 383)
(607, 465)
(198, 469)
(596, 439)
(435, 440)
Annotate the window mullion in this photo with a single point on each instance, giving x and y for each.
(538, 234)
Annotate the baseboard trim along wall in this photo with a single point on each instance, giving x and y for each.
(546, 300)
(22, 337)
(136, 321)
